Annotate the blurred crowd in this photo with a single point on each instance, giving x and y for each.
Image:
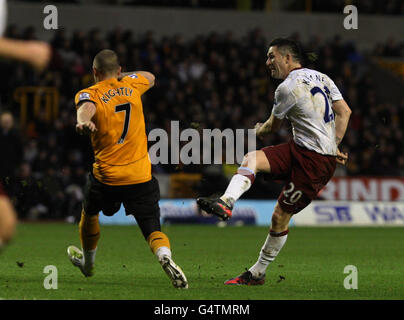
(390, 48)
(210, 81)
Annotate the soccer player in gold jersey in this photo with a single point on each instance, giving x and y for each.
(111, 112)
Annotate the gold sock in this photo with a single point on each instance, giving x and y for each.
(156, 240)
(89, 229)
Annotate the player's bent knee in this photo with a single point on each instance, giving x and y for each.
(257, 161)
(248, 159)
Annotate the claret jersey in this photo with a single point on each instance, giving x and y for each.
(120, 144)
(305, 98)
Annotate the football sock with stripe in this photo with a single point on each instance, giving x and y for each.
(273, 244)
(89, 229)
(239, 184)
(159, 244)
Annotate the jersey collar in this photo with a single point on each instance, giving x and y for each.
(298, 68)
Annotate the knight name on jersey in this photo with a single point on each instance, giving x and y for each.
(122, 91)
(316, 77)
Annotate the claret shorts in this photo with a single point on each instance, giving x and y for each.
(306, 172)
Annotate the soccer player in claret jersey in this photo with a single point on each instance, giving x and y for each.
(111, 112)
(319, 117)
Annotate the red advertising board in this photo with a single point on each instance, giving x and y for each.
(364, 189)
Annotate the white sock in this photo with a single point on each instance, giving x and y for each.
(273, 244)
(89, 258)
(162, 251)
(237, 186)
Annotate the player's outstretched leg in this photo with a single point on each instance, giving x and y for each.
(160, 246)
(253, 162)
(174, 272)
(77, 259)
(223, 206)
(215, 206)
(89, 229)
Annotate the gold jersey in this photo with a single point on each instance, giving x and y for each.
(120, 143)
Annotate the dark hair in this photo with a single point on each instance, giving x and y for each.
(294, 48)
(106, 61)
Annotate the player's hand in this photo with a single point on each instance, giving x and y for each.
(86, 128)
(39, 54)
(342, 157)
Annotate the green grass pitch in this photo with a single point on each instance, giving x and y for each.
(311, 264)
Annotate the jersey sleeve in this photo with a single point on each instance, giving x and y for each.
(84, 95)
(334, 91)
(137, 81)
(284, 101)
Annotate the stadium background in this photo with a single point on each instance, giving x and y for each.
(209, 61)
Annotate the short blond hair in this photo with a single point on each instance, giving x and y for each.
(106, 62)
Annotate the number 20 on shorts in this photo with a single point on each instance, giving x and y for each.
(292, 194)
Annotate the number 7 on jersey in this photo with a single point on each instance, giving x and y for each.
(119, 108)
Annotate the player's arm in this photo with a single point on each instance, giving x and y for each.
(271, 125)
(86, 110)
(37, 53)
(284, 100)
(342, 115)
(148, 75)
